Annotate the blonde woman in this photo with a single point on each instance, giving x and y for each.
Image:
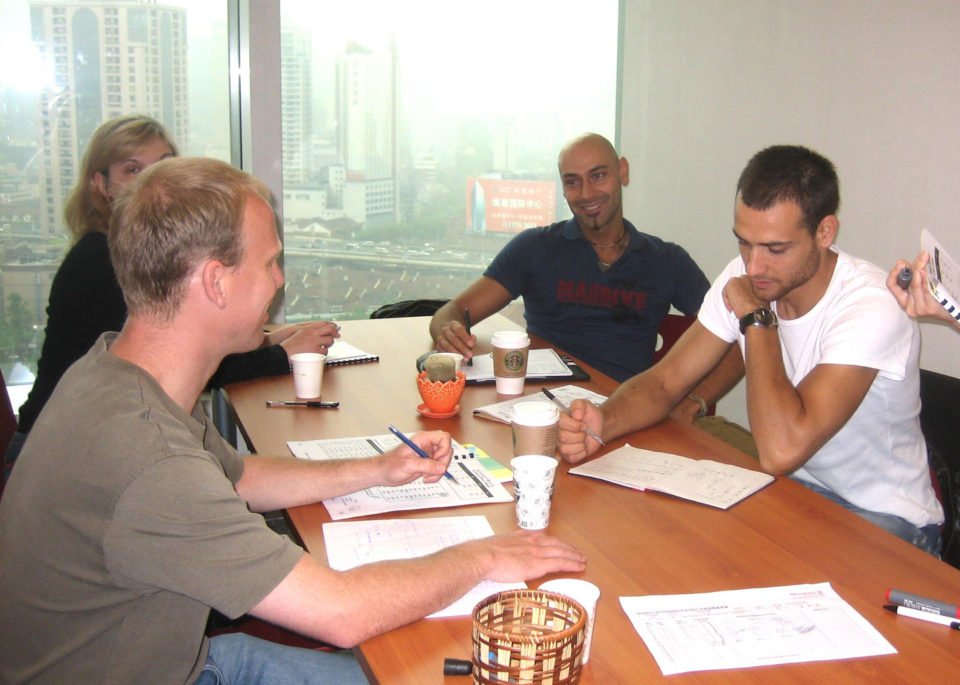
(85, 299)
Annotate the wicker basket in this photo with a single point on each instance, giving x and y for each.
(528, 636)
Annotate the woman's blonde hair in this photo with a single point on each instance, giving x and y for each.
(87, 209)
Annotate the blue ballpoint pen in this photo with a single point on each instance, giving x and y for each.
(416, 448)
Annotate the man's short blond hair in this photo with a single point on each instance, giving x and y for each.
(178, 213)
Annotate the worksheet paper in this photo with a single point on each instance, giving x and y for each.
(747, 628)
(500, 411)
(354, 543)
(474, 484)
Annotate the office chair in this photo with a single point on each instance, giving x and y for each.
(408, 308)
(939, 418)
(671, 328)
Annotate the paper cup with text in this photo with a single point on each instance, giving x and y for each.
(533, 476)
(307, 373)
(585, 593)
(510, 351)
(534, 428)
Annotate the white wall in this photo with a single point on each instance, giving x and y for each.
(874, 85)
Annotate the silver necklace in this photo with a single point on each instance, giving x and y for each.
(615, 243)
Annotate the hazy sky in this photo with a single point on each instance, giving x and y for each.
(548, 65)
(469, 52)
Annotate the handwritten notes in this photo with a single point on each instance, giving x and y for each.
(708, 482)
(354, 543)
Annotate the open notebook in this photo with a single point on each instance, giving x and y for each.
(700, 480)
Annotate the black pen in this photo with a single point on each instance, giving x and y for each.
(466, 320)
(586, 428)
(308, 403)
(416, 448)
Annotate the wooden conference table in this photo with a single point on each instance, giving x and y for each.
(636, 543)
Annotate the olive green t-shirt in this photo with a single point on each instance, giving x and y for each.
(119, 529)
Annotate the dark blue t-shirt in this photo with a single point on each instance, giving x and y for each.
(609, 318)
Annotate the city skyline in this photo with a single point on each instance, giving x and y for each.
(373, 154)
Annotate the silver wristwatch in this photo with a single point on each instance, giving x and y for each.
(761, 316)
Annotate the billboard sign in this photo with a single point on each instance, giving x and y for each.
(499, 205)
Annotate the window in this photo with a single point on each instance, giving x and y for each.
(438, 138)
(412, 150)
(50, 102)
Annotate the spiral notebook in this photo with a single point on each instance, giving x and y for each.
(342, 353)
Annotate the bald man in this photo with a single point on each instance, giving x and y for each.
(594, 285)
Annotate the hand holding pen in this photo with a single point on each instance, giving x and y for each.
(455, 336)
(573, 445)
(442, 451)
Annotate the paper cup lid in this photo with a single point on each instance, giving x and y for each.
(510, 339)
(534, 413)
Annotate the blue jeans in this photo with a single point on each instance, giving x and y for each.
(926, 538)
(240, 659)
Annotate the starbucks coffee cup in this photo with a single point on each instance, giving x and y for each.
(510, 350)
(534, 428)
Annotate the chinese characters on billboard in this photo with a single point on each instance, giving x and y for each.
(497, 205)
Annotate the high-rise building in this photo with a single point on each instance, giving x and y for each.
(296, 93)
(107, 58)
(367, 132)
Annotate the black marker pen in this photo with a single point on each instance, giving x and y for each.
(904, 277)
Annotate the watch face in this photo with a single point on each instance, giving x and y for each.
(764, 317)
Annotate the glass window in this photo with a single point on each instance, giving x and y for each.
(414, 149)
(50, 104)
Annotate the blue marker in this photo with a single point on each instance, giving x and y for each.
(416, 448)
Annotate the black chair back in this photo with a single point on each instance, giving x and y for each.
(940, 421)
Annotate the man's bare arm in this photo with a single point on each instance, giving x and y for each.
(789, 424)
(484, 297)
(711, 389)
(270, 483)
(346, 608)
(644, 399)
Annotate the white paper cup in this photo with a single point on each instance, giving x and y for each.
(510, 351)
(533, 476)
(307, 373)
(587, 594)
(534, 428)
